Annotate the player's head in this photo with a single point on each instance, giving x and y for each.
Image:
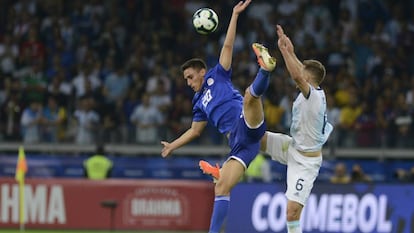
(100, 149)
(194, 71)
(316, 70)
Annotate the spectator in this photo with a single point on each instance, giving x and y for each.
(128, 107)
(67, 31)
(158, 77)
(54, 117)
(347, 24)
(365, 126)
(260, 11)
(11, 110)
(161, 99)
(405, 176)
(180, 116)
(403, 123)
(340, 175)
(286, 103)
(358, 174)
(383, 115)
(287, 8)
(273, 113)
(344, 89)
(347, 119)
(33, 45)
(112, 123)
(62, 55)
(60, 36)
(98, 166)
(317, 10)
(8, 54)
(87, 121)
(107, 68)
(116, 85)
(60, 89)
(31, 120)
(146, 118)
(85, 80)
(34, 83)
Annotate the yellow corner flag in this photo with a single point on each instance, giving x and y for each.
(21, 166)
(21, 169)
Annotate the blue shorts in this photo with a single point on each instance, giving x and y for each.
(245, 142)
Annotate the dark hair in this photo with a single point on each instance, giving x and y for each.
(316, 69)
(100, 150)
(195, 63)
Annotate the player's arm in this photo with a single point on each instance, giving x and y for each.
(195, 131)
(294, 66)
(226, 53)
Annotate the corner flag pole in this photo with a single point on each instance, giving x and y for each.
(21, 169)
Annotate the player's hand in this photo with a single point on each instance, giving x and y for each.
(166, 150)
(241, 6)
(284, 43)
(279, 31)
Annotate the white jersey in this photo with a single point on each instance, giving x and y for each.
(309, 128)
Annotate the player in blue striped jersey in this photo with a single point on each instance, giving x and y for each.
(241, 119)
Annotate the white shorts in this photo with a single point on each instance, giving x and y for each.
(301, 170)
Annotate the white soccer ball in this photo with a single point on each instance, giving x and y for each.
(205, 21)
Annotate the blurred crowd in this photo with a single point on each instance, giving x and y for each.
(108, 71)
(341, 174)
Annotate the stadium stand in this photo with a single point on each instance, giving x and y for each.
(71, 51)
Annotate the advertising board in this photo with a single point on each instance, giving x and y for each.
(381, 208)
(78, 204)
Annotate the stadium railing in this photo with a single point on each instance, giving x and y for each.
(197, 150)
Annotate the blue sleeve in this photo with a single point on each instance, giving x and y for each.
(199, 115)
(219, 72)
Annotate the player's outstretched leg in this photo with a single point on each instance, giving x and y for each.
(267, 64)
(252, 104)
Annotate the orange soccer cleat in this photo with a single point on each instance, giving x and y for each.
(210, 170)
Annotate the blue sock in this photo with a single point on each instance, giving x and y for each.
(221, 205)
(260, 83)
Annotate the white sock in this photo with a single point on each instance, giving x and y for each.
(294, 227)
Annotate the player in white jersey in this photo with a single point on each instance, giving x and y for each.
(302, 151)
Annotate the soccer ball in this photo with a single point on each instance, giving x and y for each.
(205, 21)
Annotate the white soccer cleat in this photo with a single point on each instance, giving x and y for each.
(264, 59)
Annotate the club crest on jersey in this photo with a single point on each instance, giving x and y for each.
(210, 81)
